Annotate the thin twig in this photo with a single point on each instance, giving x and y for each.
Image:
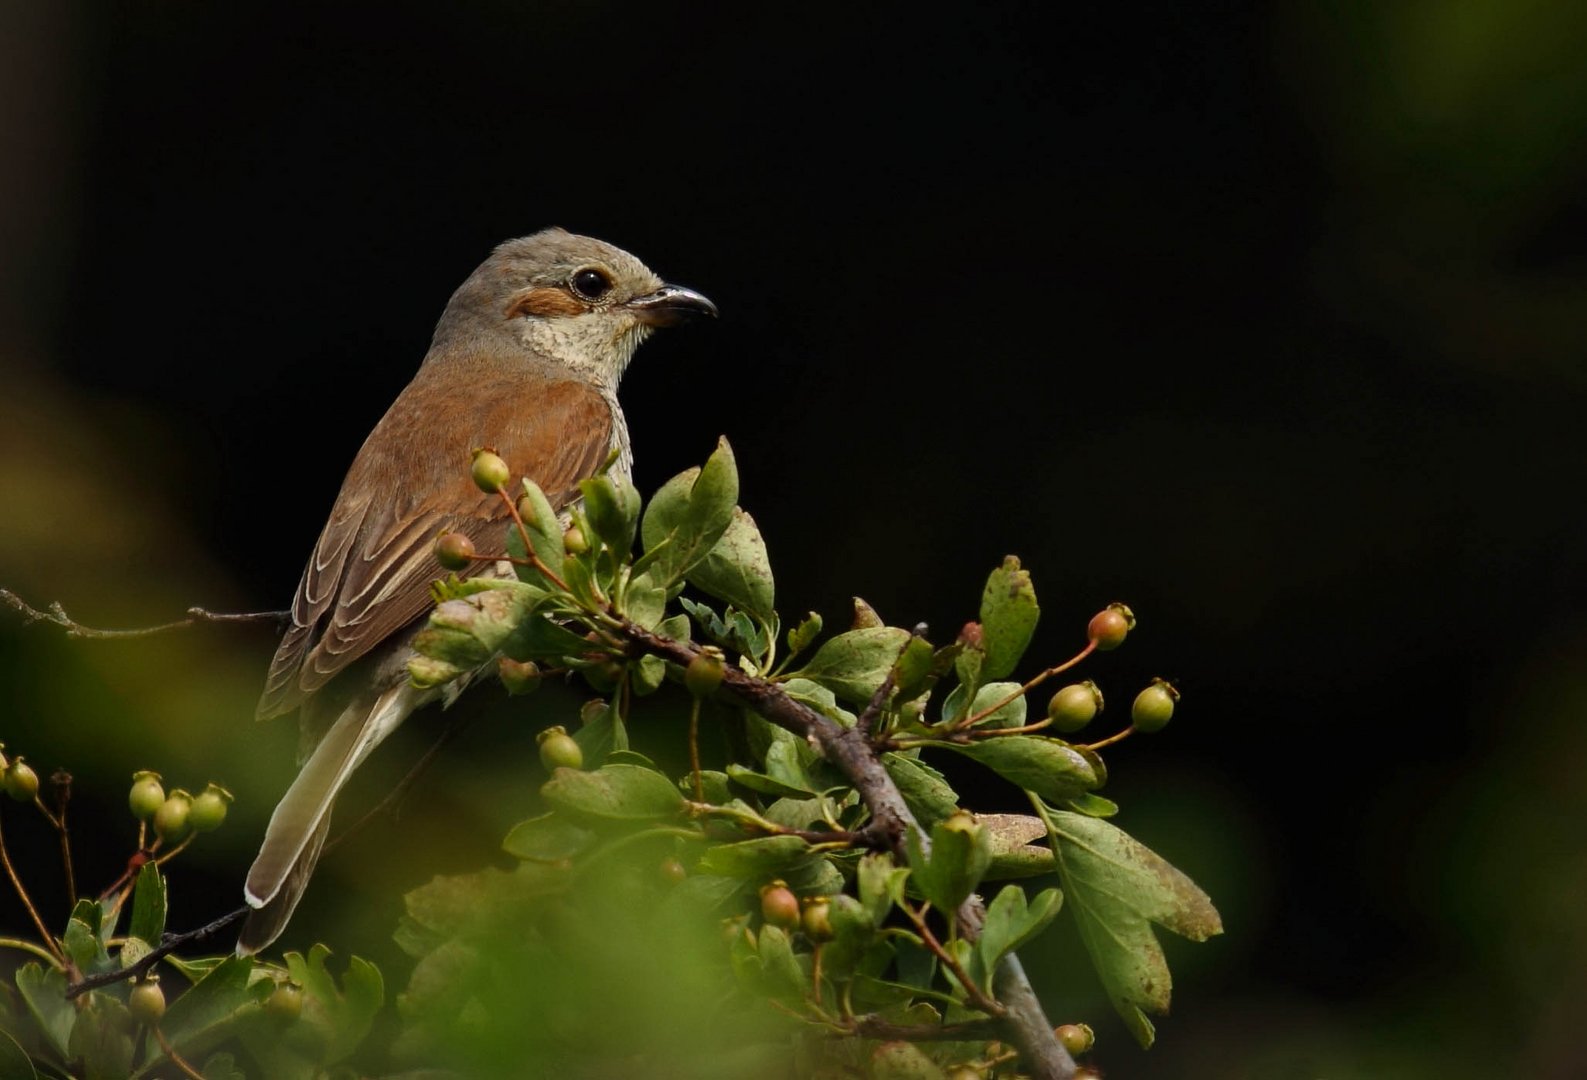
(975, 994)
(170, 944)
(27, 902)
(1111, 739)
(873, 708)
(56, 615)
(28, 946)
(976, 718)
(694, 749)
(874, 1027)
(63, 795)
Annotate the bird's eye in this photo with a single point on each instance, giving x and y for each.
(591, 284)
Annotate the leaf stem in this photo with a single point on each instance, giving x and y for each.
(28, 946)
(1111, 739)
(971, 720)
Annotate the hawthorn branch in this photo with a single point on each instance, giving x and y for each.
(1023, 1021)
(56, 615)
(171, 943)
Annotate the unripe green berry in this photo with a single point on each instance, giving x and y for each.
(1076, 1038)
(558, 750)
(779, 906)
(490, 472)
(454, 550)
(146, 795)
(170, 820)
(1154, 706)
(21, 782)
(209, 809)
(519, 677)
(573, 541)
(816, 918)
(285, 1002)
(704, 673)
(672, 870)
(1109, 626)
(1073, 707)
(146, 1002)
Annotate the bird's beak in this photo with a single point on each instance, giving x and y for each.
(670, 305)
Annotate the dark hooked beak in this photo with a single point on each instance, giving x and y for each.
(670, 305)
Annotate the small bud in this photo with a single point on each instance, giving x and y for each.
(1109, 626)
(704, 673)
(779, 906)
(146, 795)
(672, 870)
(209, 809)
(285, 1002)
(518, 676)
(490, 472)
(817, 918)
(1076, 1038)
(21, 782)
(735, 927)
(865, 617)
(971, 637)
(1154, 706)
(170, 820)
(558, 750)
(573, 541)
(146, 1002)
(1073, 707)
(454, 550)
(526, 511)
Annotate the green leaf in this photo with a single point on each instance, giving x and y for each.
(738, 569)
(853, 664)
(968, 665)
(102, 1039)
(784, 979)
(211, 1002)
(1008, 618)
(758, 858)
(1117, 887)
(804, 635)
(1015, 853)
(818, 698)
(547, 838)
(545, 535)
(1093, 805)
(222, 1066)
(912, 672)
(881, 884)
(765, 785)
(600, 734)
(539, 637)
(1050, 767)
(81, 939)
(924, 789)
(614, 792)
(645, 601)
(960, 853)
(1009, 715)
(148, 905)
(689, 514)
(195, 969)
(44, 990)
(343, 1016)
(1011, 922)
(903, 1061)
(14, 1063)
(607, 510)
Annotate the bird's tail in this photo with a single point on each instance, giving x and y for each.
(297, 829)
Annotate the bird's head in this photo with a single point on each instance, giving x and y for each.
(572, 299)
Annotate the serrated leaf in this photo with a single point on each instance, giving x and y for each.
(853, 664)
(738, 570)
(1117, 887)
(342, 1015)
(924, 789)
(212, 1001)
(44, 991)
(102, 1039)
(148, 904)
(1050, 767)
(801, 637)
(758, 858)
(690, 513)
(1010, 922)
(614, 792)
(1008, 618)
(1015, 852)
(547, 838)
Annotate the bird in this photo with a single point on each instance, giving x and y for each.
(525, 359)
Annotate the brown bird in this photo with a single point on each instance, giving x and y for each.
(526, 359)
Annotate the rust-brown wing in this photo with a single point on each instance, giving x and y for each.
(370, 574)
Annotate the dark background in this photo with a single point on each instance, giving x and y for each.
(1267, 319)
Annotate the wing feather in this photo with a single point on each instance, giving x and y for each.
(370, 574)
